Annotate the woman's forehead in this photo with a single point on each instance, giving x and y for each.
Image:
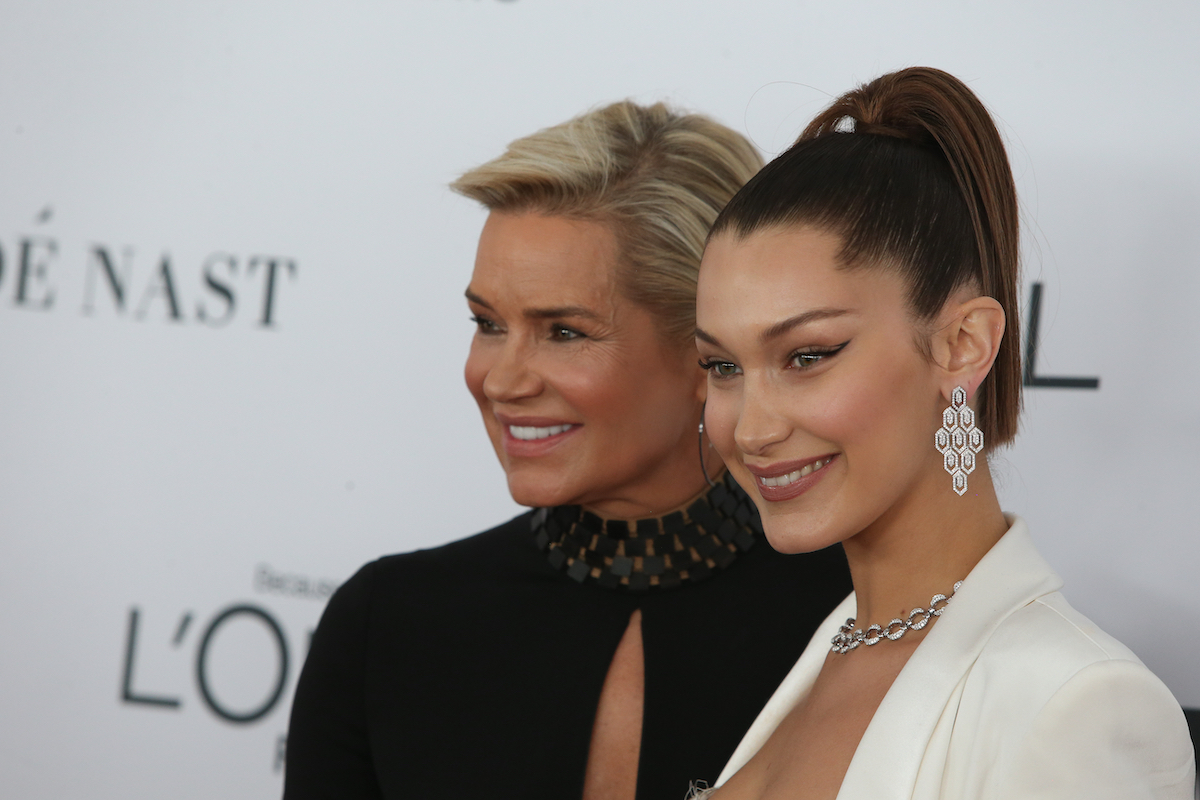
(545, 261)
(769, 277)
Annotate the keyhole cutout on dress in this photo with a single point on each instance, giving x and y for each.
(612, 765)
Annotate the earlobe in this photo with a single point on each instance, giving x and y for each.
(969, 343)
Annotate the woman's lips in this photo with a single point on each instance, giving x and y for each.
(528, 437)
(788, 479)
(531, 433)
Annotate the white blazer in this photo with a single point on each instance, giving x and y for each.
(1012, 694)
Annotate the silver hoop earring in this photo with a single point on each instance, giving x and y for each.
(700, 446)
(958, 440)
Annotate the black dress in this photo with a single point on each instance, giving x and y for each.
(473, 670)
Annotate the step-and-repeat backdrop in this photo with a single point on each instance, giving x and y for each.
(232, 327)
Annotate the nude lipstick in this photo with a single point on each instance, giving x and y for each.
(530, 437)
(787, 479)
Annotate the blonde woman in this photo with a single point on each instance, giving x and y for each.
(555, 656)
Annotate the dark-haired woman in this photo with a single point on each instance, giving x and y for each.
(857, 315)
(554, 655)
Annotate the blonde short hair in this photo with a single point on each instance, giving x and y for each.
(657, 176)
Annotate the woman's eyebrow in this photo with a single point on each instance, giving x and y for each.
(561, 311)
(541, 313)
(477, 300)
(780, 328)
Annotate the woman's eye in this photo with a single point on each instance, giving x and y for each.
(721, 369)
(807, 359)
(727, 369)
(485, 325)
(564, 334)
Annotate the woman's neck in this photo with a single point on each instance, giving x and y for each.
(699, 488)
(923, 545)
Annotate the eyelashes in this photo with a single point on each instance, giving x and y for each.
(801, 360)
(562, 333)
(809, 357)
(485, 325)
(718, 368)
(557, 332)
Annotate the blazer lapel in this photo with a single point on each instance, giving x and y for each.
(890, 754)
(794, 686)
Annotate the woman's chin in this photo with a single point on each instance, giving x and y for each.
(528, 490)
(797, 533)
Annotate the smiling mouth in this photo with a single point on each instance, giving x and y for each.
(528, 433)
(791, 477)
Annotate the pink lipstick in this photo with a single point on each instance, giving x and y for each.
(530, 437)
(787, 479)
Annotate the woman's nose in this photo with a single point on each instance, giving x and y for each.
(759, 424)
(513, 375)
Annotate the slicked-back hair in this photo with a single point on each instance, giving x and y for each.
(657, 176)
(911, 173)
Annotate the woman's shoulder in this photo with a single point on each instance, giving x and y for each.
(1050, 630)
(1030, 635)
(1045, 645)
(494, 546)
(1060, 703)
(482, 558)
(1054, 699)
(1055, 692)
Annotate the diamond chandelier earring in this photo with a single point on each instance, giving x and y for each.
(958, 440)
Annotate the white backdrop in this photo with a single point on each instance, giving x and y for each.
(232, 331)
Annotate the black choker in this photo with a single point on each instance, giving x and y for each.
(682, 547)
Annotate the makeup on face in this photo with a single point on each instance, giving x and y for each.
(532, 437)
(814, 382)
(583, 400)
(787, 479)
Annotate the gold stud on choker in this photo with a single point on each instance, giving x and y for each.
(656, 553)
(849, 637)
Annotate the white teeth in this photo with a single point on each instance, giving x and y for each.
(527, 433)
(795, 475)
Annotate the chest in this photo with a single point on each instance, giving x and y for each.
(810, 752)
(558, 721)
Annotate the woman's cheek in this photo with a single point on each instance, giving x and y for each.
(850, 409)
(840, 419)
(599, 388)
(720, 421)
(475, 371)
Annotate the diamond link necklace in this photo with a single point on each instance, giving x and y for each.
(849, 637)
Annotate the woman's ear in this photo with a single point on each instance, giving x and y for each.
(966, 342)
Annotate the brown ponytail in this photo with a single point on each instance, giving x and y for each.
(911, 172)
